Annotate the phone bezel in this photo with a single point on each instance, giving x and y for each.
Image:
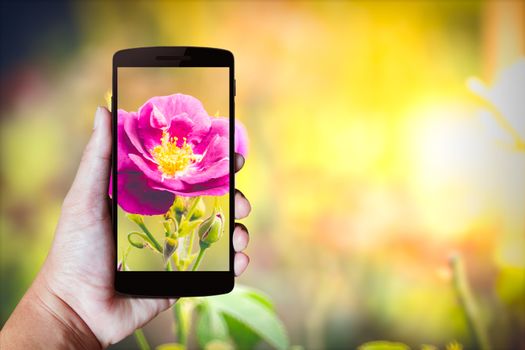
(174, 283)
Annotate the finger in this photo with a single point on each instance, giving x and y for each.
(91, 182)
(239, 161)
(242, 206)
(241, 263)
(240, 237)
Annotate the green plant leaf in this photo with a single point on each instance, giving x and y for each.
(170, 346)
(383, 345)
(253, 313)
(259, 296)
(243, 337)
(210, 325)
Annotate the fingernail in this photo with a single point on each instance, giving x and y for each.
(240, 239)
(97, 117)
(240, 161)
(240, 263)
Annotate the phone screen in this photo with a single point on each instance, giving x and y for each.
(173, 169)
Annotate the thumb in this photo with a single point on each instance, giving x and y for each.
(90, 186)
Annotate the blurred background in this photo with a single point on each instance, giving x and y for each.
(387, 139)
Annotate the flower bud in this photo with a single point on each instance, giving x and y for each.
(136, 218)
(167, 227)
(210, 231)
(199, 210)
(188, 227)
(170, 230)
(179, 205)
(170, 245)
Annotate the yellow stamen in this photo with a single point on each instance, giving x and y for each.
(170, 158)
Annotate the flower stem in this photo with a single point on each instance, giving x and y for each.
(193, 206)
(199, 258)
(182, 332)
(468, 304)
(174, 262)
(140, 245)
(137, 219)
(190, 246)
(141, 339)
(152, 238)
(124, 258)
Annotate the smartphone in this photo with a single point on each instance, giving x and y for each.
(173, 171)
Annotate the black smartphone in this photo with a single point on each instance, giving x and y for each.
(173, 171)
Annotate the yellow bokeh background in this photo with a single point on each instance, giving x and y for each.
(385, 137)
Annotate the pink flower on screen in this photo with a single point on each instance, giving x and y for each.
(169, 147)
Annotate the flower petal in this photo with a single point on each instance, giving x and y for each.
(172, 107)
(181, 127)
(151, 172)
(158, 119)
(125, 145)
(136, 197)
(219, 126)
(214, 170)
(214, 164)
(241, 139)
(141, 183)
(129, 132)
(149, 136)
(213, 187)
(185, 185)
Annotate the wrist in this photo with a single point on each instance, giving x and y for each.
(43, 320)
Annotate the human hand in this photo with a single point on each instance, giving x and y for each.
(74, 293)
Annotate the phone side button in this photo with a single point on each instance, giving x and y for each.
(234, 87)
